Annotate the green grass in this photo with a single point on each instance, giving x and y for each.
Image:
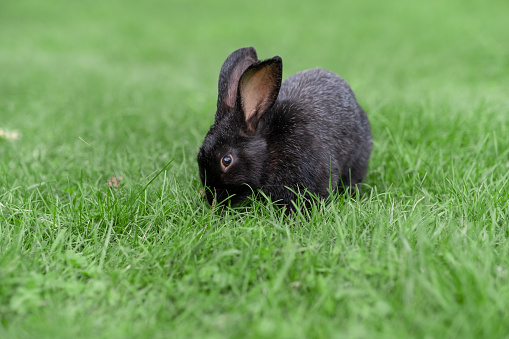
(115, 88)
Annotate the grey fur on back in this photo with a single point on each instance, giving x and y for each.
(333, 110)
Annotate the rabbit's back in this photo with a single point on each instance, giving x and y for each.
(324, 95)
(334, 117)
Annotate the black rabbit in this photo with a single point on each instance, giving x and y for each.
(306, 135)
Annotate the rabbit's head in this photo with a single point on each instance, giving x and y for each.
(233, 158)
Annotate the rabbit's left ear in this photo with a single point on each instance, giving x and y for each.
(258, 90)
(231, 71)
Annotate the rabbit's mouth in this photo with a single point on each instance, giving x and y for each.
(223, 196)
(216, 196)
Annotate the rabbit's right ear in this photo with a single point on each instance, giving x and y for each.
(229, 77)
(258, 90)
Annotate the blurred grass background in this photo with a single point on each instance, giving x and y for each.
(115, 71)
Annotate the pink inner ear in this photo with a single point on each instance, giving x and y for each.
(231, 94)
(257, 90)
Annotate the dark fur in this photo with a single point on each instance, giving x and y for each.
(314, 136)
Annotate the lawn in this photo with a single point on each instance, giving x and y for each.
(103, 233)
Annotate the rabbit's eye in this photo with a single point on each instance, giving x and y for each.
(227, 160)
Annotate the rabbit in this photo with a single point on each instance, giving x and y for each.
(307, 134)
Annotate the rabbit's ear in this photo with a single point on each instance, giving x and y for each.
(232, 70)
(258, 90)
